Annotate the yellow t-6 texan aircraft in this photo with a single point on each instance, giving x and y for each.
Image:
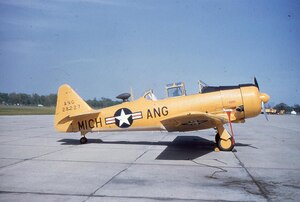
(212, 107)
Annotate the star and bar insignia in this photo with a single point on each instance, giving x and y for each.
(123, 118)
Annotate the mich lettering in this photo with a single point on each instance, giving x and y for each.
(90, 124)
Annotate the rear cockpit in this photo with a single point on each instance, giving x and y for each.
(172, 90)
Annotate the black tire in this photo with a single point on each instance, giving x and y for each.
(83, 140)
(217, 138)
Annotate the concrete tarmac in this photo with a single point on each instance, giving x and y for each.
(39, 164)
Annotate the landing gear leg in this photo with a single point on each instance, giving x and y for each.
(83, 140)
(223, 139)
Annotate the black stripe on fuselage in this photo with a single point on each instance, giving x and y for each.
(209, 89)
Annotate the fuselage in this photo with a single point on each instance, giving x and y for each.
(143, 114)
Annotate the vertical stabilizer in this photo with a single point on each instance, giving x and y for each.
(69, 103)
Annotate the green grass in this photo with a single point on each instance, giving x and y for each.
(26, 110)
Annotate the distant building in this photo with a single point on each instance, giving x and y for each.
(293, 112)
(270, 111)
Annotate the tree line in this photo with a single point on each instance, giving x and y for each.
(47, 100)
(287, 108)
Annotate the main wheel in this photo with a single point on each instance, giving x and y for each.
(217, 138)
(83, 140)
(225, 145)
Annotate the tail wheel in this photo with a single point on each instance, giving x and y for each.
(225, 145)
(83, 140)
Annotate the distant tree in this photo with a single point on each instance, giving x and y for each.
(13, 98)
(36, 99)
(283, 106)
(52, 99)
(103, 102)
(3, 98)
(25, 99)
(93, 103)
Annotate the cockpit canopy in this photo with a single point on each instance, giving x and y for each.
(175, 89)
(149, 95)
(178, 89)
(201, 86)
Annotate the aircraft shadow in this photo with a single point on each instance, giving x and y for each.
(186, 148)
(181, 148)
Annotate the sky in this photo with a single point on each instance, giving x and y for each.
(102, 48)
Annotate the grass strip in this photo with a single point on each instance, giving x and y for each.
(26, 110)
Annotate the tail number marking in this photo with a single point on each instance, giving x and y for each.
(70, 105)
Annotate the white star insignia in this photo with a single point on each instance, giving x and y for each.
(123, 118)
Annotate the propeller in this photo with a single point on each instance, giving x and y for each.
(256, 83)
(264, 110)
(264, 99)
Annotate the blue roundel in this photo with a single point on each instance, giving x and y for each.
(123, 118)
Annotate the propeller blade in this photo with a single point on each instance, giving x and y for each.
(264, 110)
(264, 99)
(256, 83)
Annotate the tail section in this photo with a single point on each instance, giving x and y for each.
(69, 104)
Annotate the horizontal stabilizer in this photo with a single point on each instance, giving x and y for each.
(72, 117)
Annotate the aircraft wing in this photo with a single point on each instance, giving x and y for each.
(193, 121)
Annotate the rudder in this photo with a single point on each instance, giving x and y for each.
(68, 104)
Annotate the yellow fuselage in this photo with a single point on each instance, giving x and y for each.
(148, 114)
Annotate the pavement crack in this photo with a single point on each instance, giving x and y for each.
(220, 161)
(41, 193)
(33, 158)
(262, 190)
(99, 197)
(221, 170)
(116, 175)
(111, 179)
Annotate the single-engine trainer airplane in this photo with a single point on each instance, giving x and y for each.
(212, 107)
